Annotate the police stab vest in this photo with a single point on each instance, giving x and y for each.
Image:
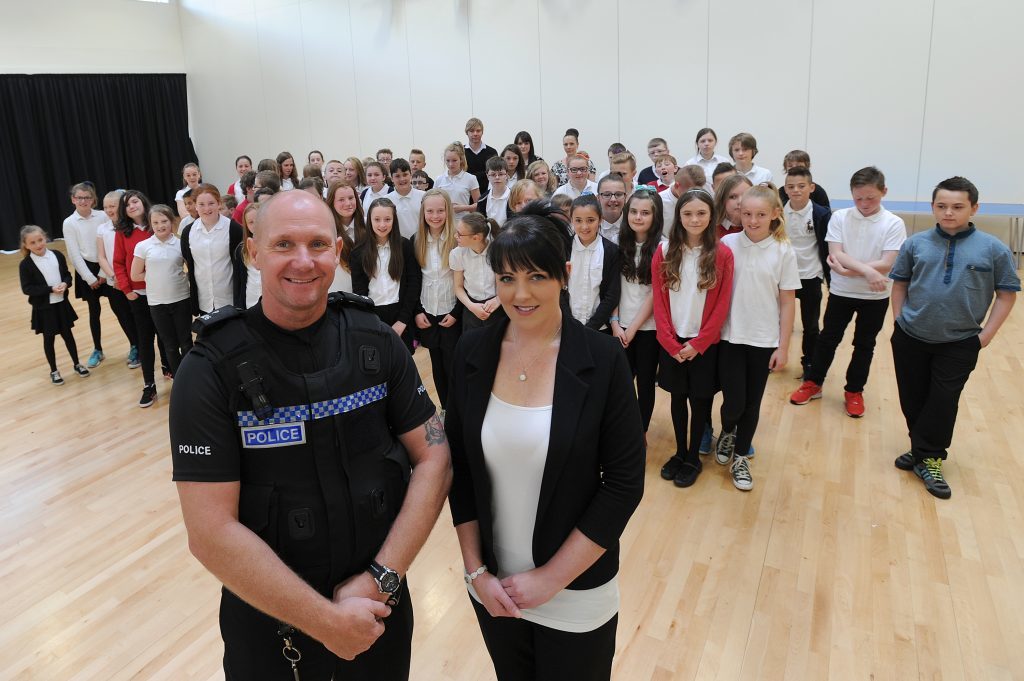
(322, 476)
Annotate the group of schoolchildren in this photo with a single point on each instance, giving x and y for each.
(695, 268)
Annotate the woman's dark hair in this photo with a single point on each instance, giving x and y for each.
(125, 223)
(245, 157)
(521, 167)
(574, 133)
(396, 262)
(704, 131)
(533, 240)
(523, 136)
(633, 271)
(286, 156)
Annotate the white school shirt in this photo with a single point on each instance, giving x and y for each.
(687, 304)
(287, 184)
(437, 296)
(515, 445)
(573, 193)
(708, 166)
(372, 196)
(383, 289)
(760, 271)
(497, 205)
(459, 188)
(210, 253)
(610, 230)
(585, 278)
(50, 269)
(408, 207)
(632, 298)
(253, 285)
(166, 281)
(477, 275)
(864, 238)
(756, 175)
(668, 206)
(107, 232)
(342, 280)
(80, 241)
(800, 230)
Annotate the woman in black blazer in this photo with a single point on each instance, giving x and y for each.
(548, 457)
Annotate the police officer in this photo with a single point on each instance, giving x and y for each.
(309, 462)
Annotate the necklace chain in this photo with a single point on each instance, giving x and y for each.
(515, 340)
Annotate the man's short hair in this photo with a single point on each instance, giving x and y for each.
(495, 164)
(800, 171)
(400, 165)
(625, 157)
(957, 184)
(868, 177)
(474, 123)
(655, 141)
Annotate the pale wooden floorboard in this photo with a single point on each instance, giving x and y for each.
(836, 565)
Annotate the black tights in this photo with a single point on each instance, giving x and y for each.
(49, 340)
(701, 407)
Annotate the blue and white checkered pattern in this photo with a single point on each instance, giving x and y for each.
(317, 410)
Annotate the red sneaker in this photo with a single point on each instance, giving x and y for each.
(808, 390)
(854, 404)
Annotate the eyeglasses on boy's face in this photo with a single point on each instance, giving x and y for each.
(495, 176)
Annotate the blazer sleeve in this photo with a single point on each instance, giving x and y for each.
(360, 279)
(621, 455)
(610, 288)
(186, 253)
(717, 303)
(240, 279)
(65, 273)
(119, 263)
(32, 282)
(410, 286)
(461, 497)
(665, 329)
(821, 216)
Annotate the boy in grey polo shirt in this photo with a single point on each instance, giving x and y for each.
(943, 284)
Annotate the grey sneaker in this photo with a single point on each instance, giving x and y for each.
(930, 472)
(741, 473)
(726, 446)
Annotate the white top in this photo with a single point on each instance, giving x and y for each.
(574, 193)
(478, 277)
(708, 166)
(408, 210)
(236, 189)
(166, 281)
(180, 194)
(610, 230)
(756, 174)
(687, 304)
(760, 271)
(212, 257)
(498, 205)
(185, 222)
(287, 184)
(49, 267)
(864, 238)
(107, 232)
(800, 230)
(515, 446)
(80, 241)
(668, 207)
(632, 298)
(383, 289)
(459, 188)
(585, 278)
(342, 280)
(372, 196)
(253, 285)
(437, 296)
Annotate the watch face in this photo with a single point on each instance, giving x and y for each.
(390, 582)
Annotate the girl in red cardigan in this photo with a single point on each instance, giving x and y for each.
(692, 281)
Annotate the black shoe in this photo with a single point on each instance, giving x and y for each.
(905, 461)
(148, 396)
(687, 475)
(671, 468)
(55, 378)
(81, 370)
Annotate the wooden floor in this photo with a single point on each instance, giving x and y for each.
(836, 565)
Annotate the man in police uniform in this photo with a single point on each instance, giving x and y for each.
(310, 465)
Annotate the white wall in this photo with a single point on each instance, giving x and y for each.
(92, 36)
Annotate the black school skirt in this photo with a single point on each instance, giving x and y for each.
(53, 319)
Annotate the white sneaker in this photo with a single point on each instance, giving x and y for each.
(741, 473)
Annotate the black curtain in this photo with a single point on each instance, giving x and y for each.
(120, 131)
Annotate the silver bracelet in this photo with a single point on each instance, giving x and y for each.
(470, 576)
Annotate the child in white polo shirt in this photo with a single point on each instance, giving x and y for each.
(579, 183)
(463, 187)
(863, 242)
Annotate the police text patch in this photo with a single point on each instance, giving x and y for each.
(277, 435)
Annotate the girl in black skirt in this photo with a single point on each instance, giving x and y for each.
(384, 268)
(692, 281)
(45, 279)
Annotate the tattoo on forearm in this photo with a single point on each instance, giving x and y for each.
(435, 431)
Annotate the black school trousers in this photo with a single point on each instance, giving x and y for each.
(643, 355)
(930, 378)
(839, 312)
(524, 651)
(809, 295)
(173, 324)
(440, 342)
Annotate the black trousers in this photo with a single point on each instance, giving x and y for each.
(440, 342)
(809, 295)
(643, 355)
(524, 651)
(252, 648)
(838, 313)
(743, 373)
(122, 310)
(930, 378)
(145, 334)
(173, 324)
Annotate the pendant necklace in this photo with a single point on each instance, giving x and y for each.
(515, 340)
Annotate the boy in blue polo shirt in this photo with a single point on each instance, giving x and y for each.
(944, 281)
